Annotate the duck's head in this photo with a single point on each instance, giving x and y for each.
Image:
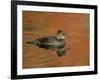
(60, 35)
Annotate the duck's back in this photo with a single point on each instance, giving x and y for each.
(48, 42)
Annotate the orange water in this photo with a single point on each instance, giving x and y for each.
(40, 24)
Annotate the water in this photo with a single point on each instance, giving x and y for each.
(41, 24)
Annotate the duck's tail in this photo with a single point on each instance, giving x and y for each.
(29, 42)
(32, 42)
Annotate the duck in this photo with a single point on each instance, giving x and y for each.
(51, 42)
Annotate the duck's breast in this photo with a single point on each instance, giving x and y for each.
(59, 44)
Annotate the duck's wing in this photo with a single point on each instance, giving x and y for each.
(45, 42)
(48, 39)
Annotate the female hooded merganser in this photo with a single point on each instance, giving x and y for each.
(52, 42)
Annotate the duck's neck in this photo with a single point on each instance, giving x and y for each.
(60, 37)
